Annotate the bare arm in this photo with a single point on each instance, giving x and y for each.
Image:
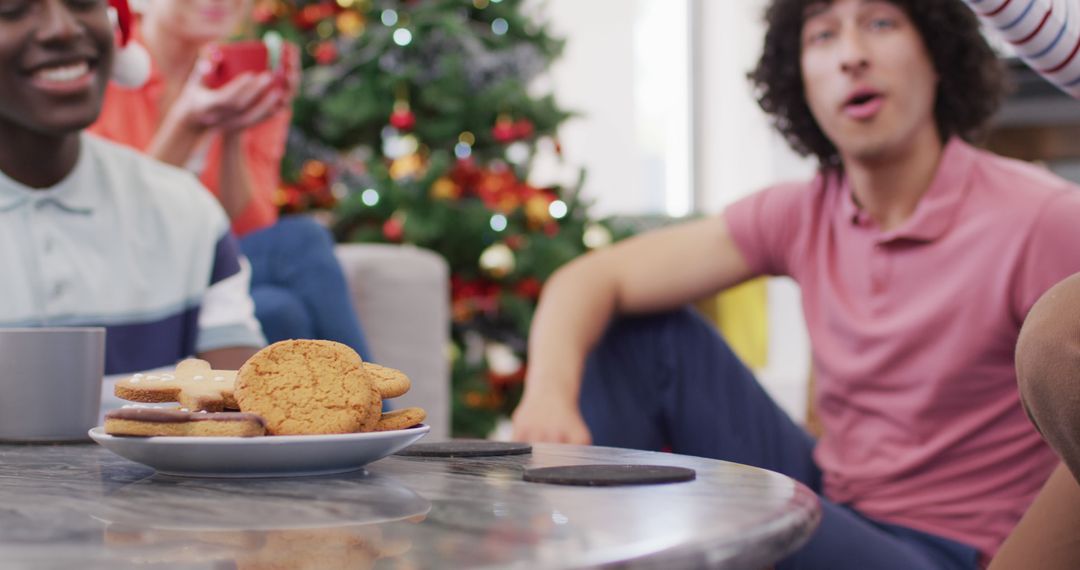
(1046, 537)
(236, 187)
(657, 271)
(229, 110)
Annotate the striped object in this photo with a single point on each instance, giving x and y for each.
(1044, 33)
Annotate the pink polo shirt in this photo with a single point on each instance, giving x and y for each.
(913, 332)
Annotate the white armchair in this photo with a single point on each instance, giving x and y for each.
(401, 294)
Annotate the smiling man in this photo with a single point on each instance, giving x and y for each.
(918, 257)
(96, 234)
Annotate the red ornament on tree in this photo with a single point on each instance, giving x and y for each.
(402, 118)
(528, 287)
(394, 229)
(311, 15)
(504, 130)
(326, 53)
(523, 129)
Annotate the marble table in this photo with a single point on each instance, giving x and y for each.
(80, 506)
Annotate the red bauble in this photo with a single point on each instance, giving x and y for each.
(523, 129)
(393, 229)
(528, 287)
(326, 53)
(503, 131)
(403, 119)
(311, 15)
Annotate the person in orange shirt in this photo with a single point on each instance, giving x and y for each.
(233, 138)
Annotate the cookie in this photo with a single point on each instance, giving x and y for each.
(390, 382)
(401, 419)
(180, 422)
(194, 385)
(309, 387)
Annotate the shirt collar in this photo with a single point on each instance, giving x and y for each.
(67, 195)
(936, 209)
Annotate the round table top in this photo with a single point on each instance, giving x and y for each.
(81, 506)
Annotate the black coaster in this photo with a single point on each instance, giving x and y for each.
(610, 475)
(465, 448)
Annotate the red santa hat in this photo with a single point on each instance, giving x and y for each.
(131, 63)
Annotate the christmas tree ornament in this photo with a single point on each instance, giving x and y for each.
(517, 153)
(394, 227)
(444, 189)
(325, 53)
(350, 23)
(523, 129)
(503, 131)
(504, 367)
(314, 176)
(528, 287)
(497, 261)
(309, 16)
(402, 118)
(396, 145)
(537, 211)
(596, 236)
(408, 167)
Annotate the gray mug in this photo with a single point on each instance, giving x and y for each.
(50, 382)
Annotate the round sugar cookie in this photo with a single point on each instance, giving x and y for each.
(305, 387)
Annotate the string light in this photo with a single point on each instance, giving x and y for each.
(402, 37)
(370, 197)
(558, 209)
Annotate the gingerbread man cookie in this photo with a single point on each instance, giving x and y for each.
(194, 385)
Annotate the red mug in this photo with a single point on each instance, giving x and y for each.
(229, 60)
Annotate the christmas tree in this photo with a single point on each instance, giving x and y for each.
(415, 122)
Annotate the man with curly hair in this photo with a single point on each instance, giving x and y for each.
(918, 257)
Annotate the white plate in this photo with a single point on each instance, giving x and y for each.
(268, 456)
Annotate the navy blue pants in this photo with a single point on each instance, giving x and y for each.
(298, 287)
(669, 381)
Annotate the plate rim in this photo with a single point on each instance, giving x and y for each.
(97, 433)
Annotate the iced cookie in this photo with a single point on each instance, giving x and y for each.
(194, 385)
(309, 387)
(390, 382)
(176, 422)
(401, 419)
